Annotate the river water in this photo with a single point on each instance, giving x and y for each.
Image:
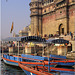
(10, 70)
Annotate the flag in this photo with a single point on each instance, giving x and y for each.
(11, 28)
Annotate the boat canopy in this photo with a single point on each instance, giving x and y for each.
(25, 38)
(58, 41)
(50, 40)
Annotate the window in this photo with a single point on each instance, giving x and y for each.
(60, 11)
(62, 30)
(44, 10)
(36, 4)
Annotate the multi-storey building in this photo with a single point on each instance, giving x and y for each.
(52, 17)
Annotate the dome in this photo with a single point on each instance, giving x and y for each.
(20, 31)
(36, 0)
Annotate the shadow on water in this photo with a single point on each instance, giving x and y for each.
(10, 70)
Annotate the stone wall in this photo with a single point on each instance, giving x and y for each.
(52, 21)
(54, 16)
(72, 18)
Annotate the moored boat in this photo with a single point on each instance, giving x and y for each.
(36, 60)
(33, 70)
(63, 71)
(38, 70)
(13, 59)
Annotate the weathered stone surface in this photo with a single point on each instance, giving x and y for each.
(51, 17)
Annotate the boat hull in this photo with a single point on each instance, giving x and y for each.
(11, 60)
(66, 64)
(33, 70)
(15, 59)
(28, 73)
(63, 71)
(10, 63)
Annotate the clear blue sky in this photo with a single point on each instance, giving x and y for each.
(17, 11)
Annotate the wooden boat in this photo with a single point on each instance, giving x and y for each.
(38, 65)
(33, 70)
(13, 60)
(43, 70)
(63, 70)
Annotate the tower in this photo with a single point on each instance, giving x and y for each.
(36, 17)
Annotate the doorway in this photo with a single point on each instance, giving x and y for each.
(61, 29)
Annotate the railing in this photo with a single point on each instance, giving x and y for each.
(12, 57)
(12, 54)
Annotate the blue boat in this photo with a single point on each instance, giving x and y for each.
(26, 59)
(62, 60)
(12, 59)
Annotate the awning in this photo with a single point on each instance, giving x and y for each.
(26, 39)
(60, 41)
(50, 40)
(57, 41)
(58, 1)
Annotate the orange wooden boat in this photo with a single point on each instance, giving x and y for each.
(42, 70)
(33, 70)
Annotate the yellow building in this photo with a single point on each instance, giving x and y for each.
(24, 32)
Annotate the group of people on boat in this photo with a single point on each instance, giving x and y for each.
(45, 65)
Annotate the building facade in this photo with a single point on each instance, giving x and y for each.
(52, 17)
(24, 32)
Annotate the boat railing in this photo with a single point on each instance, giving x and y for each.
(12, 54)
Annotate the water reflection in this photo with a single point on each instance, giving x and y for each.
(10, 70)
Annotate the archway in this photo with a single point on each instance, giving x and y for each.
(61, 29)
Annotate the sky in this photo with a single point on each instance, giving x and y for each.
(17, 11)
(0, 19)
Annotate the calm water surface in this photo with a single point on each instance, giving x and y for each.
(10, 70)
